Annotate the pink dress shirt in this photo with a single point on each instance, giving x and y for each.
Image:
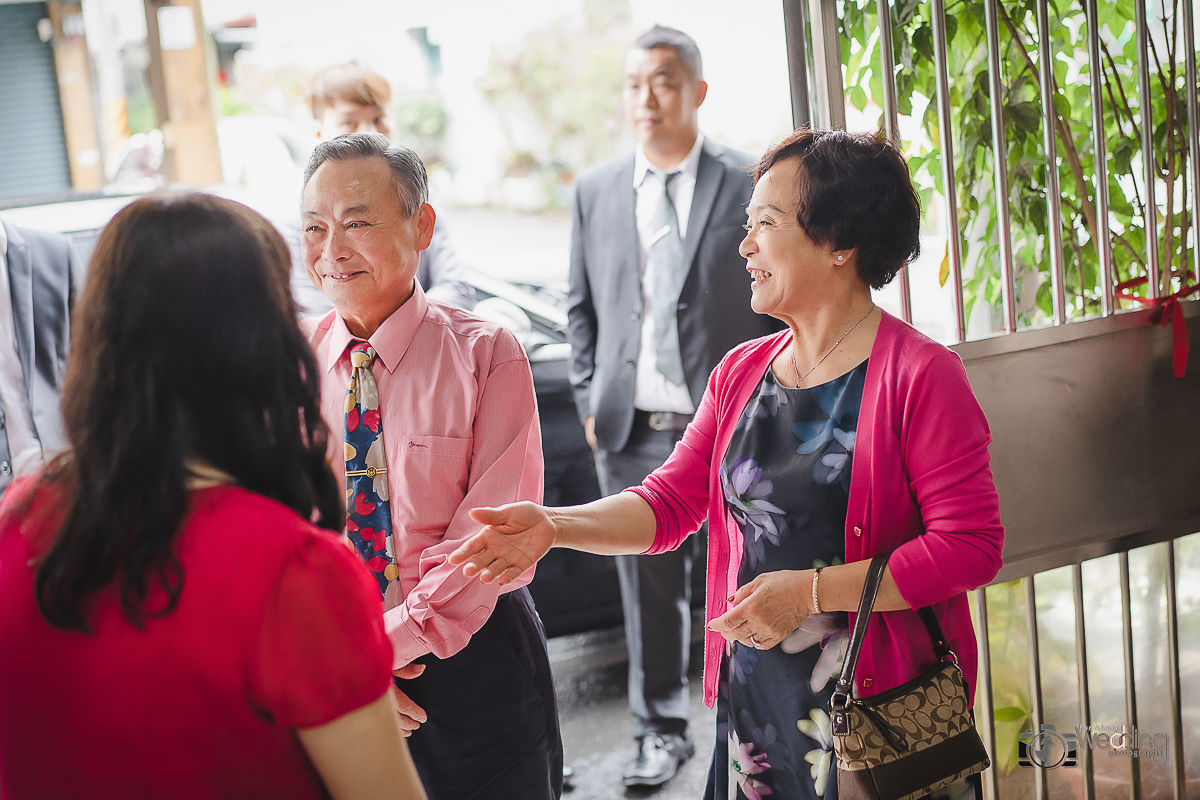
(920, 489)
(460, 429)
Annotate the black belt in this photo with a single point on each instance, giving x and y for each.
(662, 420)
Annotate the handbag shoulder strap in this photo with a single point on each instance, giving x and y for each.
(941, 647)
(865, 604)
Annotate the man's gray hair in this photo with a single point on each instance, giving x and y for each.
(408, 173)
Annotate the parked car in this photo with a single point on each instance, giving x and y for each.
(573, 591)
(256, 151)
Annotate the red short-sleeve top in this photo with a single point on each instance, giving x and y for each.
(278, 627)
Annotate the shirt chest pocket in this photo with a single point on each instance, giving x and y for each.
(431, 481)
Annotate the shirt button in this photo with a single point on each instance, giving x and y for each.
(857, 531)
(634, 315)
(631, 364)
(5, 469)
(868, 683)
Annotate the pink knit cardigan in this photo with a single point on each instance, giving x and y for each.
(920, 488)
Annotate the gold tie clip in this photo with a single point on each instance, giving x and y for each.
(370, 472)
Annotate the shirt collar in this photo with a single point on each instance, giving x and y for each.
(390, 340)
(3, 240)
(689, 166)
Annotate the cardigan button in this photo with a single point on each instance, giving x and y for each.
(857, 531)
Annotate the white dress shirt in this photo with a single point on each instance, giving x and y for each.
(652, 391)
(23, 444)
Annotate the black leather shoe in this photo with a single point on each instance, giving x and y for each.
(659, 756)
(568, 778)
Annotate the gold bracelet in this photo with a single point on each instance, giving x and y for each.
(816, 602)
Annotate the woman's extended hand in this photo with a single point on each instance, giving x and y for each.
(515, 537)
(769, 609)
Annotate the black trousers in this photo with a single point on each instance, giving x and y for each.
(492, 731)
(655, 596)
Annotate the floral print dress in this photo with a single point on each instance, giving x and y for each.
(786, 480)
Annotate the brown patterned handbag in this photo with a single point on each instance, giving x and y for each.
(906, 742)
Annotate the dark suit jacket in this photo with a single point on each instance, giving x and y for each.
(43, 277)
(604, 315)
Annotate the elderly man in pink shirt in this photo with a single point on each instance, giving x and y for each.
(431, 412)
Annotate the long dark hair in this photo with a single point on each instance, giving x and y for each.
(184, 347)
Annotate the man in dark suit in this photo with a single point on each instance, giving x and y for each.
(658, 295)
(39, 276)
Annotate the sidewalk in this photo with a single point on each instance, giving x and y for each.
(590, 673)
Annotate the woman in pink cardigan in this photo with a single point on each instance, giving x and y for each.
(814, 449)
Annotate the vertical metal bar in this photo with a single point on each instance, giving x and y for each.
(949, 183)
(1135, 782)
(999, 159)
(1179, 779)
(1085, 698)
(983, 691)
(1149, 169)
(887, 71)
(1103, 241)
(891, 121)
(1189, 42)
(1035, 679)
(1058, 276)
(795, 34)
(906, 296)
(827, 60)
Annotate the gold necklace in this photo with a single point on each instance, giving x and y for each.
(800, 378)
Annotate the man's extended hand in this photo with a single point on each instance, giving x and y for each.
(589, 432)
(515, 537)
(411, 714)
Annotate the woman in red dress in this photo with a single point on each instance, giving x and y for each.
(178, 617)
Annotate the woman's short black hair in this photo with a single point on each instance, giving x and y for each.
(184, 348)
(853, 191)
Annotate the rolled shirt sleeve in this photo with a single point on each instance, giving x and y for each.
(444, 609)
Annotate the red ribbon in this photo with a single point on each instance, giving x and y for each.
(1166, 311)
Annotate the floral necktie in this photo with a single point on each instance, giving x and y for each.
(368, 514)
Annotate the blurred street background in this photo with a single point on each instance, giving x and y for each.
(505, 111)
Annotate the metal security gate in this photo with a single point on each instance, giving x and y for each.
(33, 150)
(1058, 146)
